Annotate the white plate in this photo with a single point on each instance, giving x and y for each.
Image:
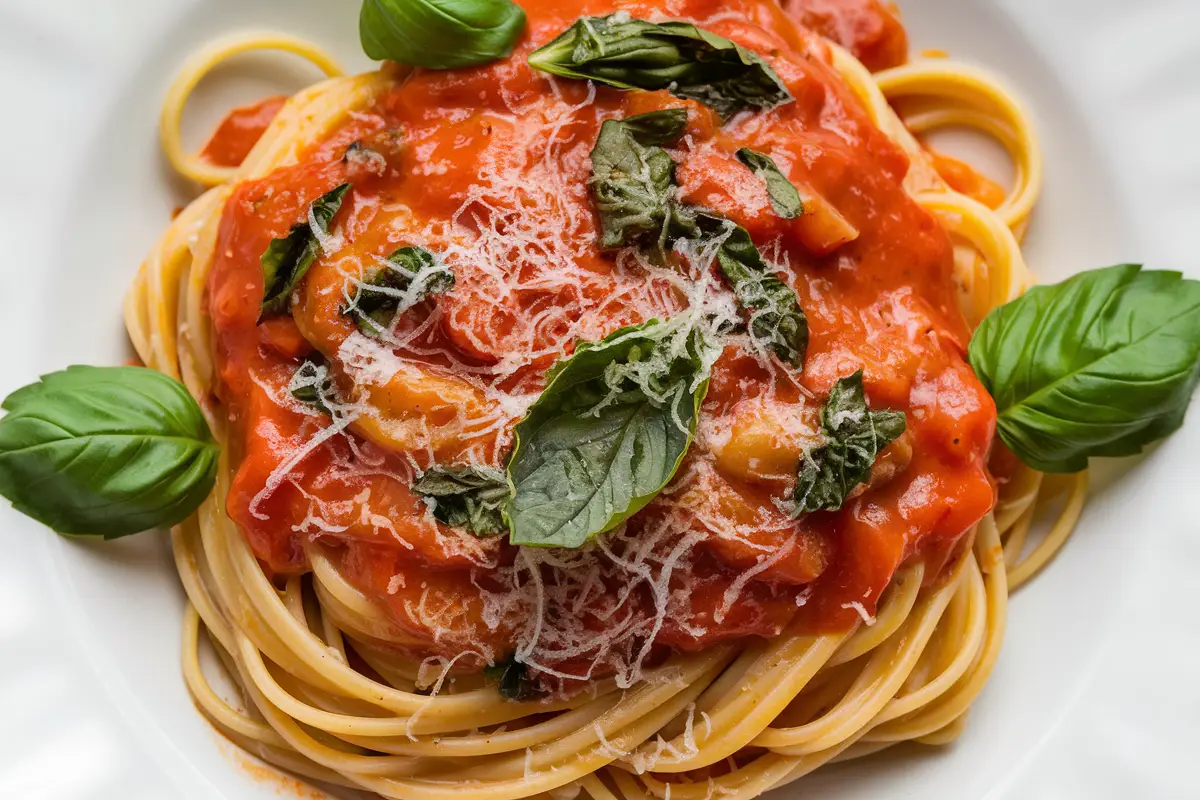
(1095, 694)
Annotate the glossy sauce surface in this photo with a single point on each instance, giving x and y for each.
(489, 167)
(237, 134)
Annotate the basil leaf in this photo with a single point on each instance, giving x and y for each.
(785, 200)
(1101, 364)
(633, 179)
(633, 186)
(312, 385)
(657, 127)
(776, 319)
(105, 451)
(440, 34)
(287, 258)
(410, 275)
(607, 433)
(688, 61)
(466, 497)
(512, 678)
(854, 436)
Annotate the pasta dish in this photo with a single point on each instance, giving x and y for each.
(623, 401)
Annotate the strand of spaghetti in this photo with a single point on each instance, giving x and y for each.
(595, 789)
(1019, 494)
(929, 120)
(894, 609)
(877, 684)
(1056, 538)
(952, 704)
(771, 683)
(201, 64)
(1007, 276)
(946, 735)
(485, 744)
(152, 304)
(220, 712)
(966, 647)
(941, 79)
(183, 539)
(1014, 540)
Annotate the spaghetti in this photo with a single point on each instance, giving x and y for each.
(330, 691)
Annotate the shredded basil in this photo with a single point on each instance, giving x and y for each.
(633, 179)
(409, 276)
(312, 384)
(633, 185)
(512, 679)
(785, 199)
(471, 498)
(854, 436)
(776, 320)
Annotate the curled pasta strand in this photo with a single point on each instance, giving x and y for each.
(201, 64)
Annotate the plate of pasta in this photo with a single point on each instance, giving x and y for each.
(612, 399)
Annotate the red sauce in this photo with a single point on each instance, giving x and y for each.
(964, 178)
(869, 29)
(884, 303)
(241, 129)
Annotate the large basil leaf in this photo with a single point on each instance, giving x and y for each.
(466, 497)
(688, 61)
(288, 258)
(105, 451)
(606, 435)
(1101, 364)
(410, 275)
(633, 179)
(785, 199)
(440, 34)
(854, 436)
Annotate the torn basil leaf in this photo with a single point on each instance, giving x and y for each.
(606, 435)
(633, 179)
(410, 275)
(471, 498)
(512, 679)
(776, 320)
(688, 61)
(288, 258)
(785, 200)
(312, 384)
(1101, 364)
(657, 127)
(854, 437)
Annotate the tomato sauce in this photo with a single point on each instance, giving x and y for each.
(241, 129)
(869, 29)
(883, 302)
(965, 179)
